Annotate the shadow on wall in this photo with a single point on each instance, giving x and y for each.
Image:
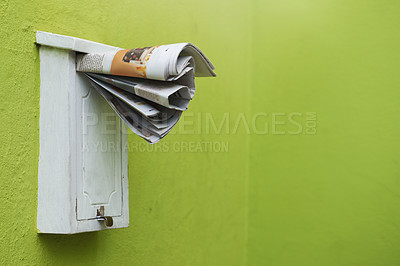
(69, 248)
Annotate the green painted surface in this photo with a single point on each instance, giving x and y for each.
(288, 196)
(331, 198)
(185, 207)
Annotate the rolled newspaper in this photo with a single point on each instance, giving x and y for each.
(147, 87)
(164, 62)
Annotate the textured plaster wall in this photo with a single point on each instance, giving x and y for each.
(186, 208)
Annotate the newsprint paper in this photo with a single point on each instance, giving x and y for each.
(147, 87)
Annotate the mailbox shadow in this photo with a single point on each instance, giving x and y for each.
(69, 249)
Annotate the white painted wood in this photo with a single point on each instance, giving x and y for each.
(72, 43)
(101, 158)
(83, 161)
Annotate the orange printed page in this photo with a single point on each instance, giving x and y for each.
(131, 62)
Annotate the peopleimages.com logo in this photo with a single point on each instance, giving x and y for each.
(260, 123)
(215, 125)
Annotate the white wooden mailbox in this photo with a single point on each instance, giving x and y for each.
(83, 160)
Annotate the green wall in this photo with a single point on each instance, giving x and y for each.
(287, 196)
(185, 207)
(331, 198)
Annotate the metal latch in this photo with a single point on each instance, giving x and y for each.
(100, 217)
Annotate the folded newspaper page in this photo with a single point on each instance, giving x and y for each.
(147, 87)
(168, 94)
